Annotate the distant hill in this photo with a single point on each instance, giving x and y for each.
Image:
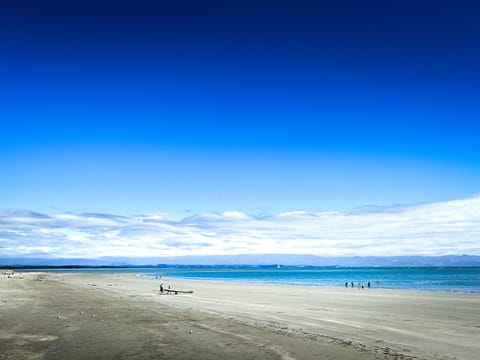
(245, 259)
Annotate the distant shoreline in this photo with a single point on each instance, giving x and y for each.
(247, 260)
(167, 266)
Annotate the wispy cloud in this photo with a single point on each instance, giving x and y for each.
(451, 227)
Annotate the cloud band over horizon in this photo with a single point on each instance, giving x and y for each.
(440, 228)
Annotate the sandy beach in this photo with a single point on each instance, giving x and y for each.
(122, 316)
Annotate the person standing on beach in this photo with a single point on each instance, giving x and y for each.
(161, 289)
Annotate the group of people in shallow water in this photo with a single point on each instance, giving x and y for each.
(361, 284)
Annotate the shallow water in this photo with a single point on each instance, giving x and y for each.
(457, 279)
(453, 279)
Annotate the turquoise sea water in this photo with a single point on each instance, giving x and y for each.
(464, 279)
(452, 279)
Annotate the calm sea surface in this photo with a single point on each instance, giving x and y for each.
(453, 279)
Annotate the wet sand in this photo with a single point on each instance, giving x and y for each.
(119, 316)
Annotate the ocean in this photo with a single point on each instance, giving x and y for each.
(450, 279)
(454, 279)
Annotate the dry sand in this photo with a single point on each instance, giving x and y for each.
(103, 316)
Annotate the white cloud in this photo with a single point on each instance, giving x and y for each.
(451, 227)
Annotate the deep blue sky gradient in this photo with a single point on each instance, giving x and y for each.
(178, 106)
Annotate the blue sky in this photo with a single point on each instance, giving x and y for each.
(183, 108)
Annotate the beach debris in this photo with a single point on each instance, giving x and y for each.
(94, 316)
(190, 331)
(59, 317)
(176, 292)
(81, 313)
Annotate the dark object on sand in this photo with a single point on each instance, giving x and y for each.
(178, 291)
